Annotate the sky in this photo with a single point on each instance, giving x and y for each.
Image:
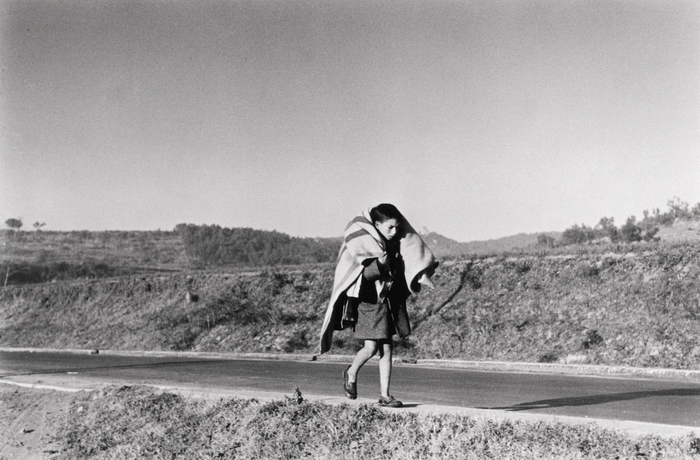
(477, 119)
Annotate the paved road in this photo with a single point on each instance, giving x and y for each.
(653, 401)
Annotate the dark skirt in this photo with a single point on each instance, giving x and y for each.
(374, 322)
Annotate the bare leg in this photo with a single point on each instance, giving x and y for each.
(364, 355)
(385, 352)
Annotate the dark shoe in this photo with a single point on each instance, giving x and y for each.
(350, 388)
(389, 402)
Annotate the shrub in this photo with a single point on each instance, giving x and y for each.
(592, 339)
(631, 232)
(606, 228)
(546, 240)
(577, 235)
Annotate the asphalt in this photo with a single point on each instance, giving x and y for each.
(56, 382)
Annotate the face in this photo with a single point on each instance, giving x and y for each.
(389, 228)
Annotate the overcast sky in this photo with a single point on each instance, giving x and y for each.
(478, 119)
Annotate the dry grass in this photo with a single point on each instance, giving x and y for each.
(40, 257)
(137, 422)
(615, 308)
(632, 305)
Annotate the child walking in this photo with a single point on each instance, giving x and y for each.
(382, 262)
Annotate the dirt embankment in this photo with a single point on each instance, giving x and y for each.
(636, 309)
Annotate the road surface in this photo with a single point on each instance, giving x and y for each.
(641, 400)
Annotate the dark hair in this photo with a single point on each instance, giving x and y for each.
(384, 212)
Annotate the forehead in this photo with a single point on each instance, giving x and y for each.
(390, 223)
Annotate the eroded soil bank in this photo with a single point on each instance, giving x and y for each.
(637, 309)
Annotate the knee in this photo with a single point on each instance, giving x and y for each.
(385, 350)
(371, 348)
(388, 348)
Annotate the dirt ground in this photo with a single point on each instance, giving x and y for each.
(30, 422)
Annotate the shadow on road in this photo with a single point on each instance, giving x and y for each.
(596, 399)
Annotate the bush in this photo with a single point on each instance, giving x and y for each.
(577, 235)
(631, 232)
(546, 240)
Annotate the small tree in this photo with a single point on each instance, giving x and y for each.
(631, 232)
(696, 210)
(650, 234)
(679, 209)
(38, 225)
(577, 235)
(14, 224)
(545, 240)
(606, 227)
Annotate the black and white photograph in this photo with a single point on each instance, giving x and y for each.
(349, 229)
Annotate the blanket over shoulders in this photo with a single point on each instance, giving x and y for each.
(361, 242)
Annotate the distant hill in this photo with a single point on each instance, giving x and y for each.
(443, 246)
(681, 223)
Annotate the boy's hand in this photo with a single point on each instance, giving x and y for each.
(383, 259)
